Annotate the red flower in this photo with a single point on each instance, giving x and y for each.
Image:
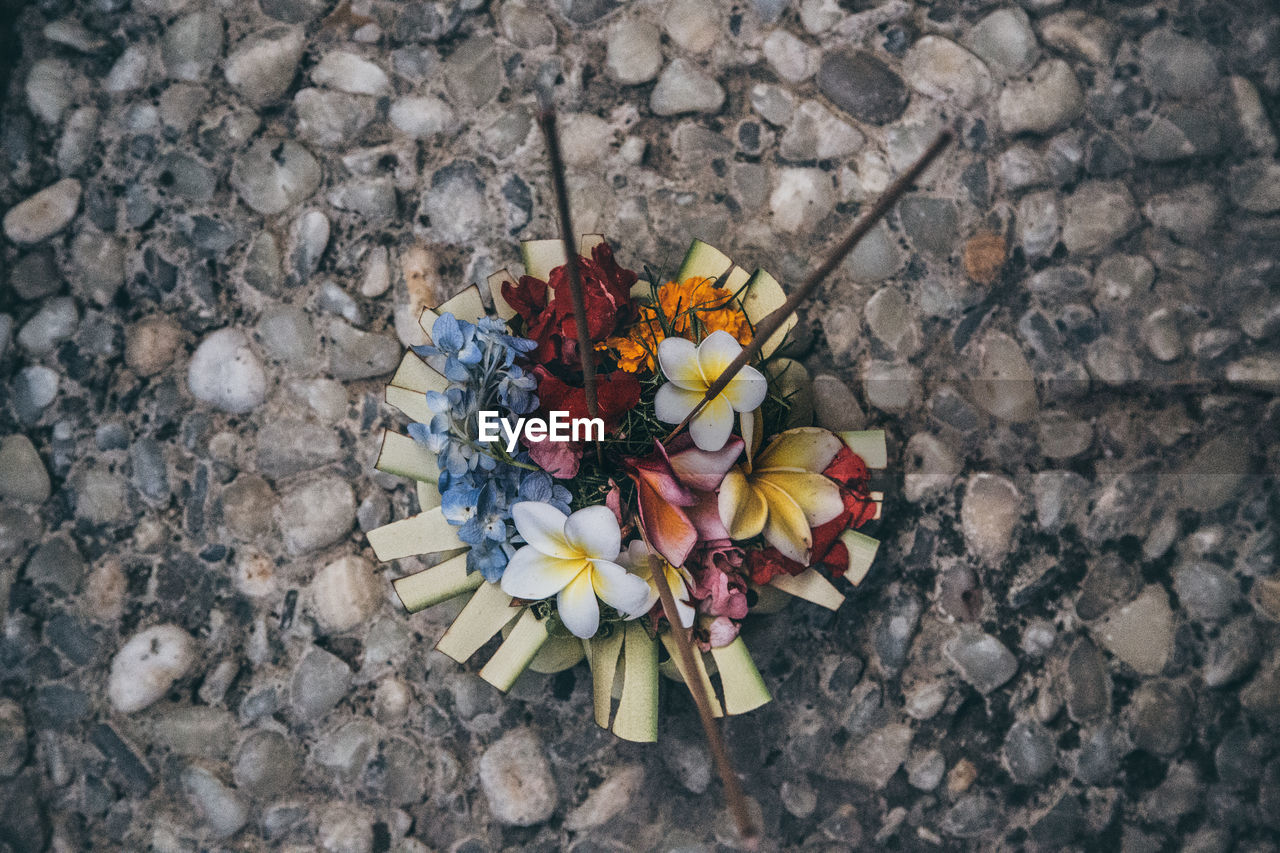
(850, 472)
(547, 306)
(616, 393)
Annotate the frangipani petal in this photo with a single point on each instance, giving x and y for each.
(542, 526)
(705, 515)
(715, 353)
(594, 532)
(816, 495)
(533, 575)
(578, 608)
(679, 361)
(672, 404)
(786, 528)
(668, 528)
(747, 390)
(618, 588)
(742, 509)
(806, 448)
(680, 591)
(711, 427)
(700, 469)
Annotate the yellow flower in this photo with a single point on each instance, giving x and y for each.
(784, 495)
(693, 308)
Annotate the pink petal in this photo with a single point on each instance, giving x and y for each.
(702, 469)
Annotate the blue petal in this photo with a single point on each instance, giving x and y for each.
(447, 333)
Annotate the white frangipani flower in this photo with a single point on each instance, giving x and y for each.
(573, 558)
(691, 371)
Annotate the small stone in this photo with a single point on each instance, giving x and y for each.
(929, 223)
(319, 682)
(931, 467)
(1160, 717)
(876, 257)
(984, 257)
(354, 354)
(147, 665)
(1205, 591)
(1038, 223)
(290, 445)
(151, 345)
(1252, 117)
(78, 139)
(692, 25)
(516, 779)
(99, 261)
(773, 103)
(798, 798)
(1233, 654)
(607, 800)
(33, 390)
(863, 86)
(941, 69)
(332, 119)
(129, 73)
(455, 203)
(893, 323)
(347, 72)
(262, 66)
(23, 476)
(422, 116)
(308, 239)
(191, 45)
(1178, 66)
(473, 74)
(1005, 41)
(1188, 213)
(44, 214)
(1004, 384)
(634, 53)
(345, 752)
(1141, 633)
(316, 514)
(150, 471)
(792, 59)
(1253, 185)
(274, 175)
(345, 594)
(801, 198)
(815, 133)
(221, 809)
(926, 769)
(266, 764)
(1255, 371)
(287, 335)
(892, 387)
(58, 565)
(981, 659)
(345, 829)
(51, 89)
(1217, 472)
(685, 88)
(1076, 32)
(50, 325)
(225, 373)
(1101, 751)
(1096, 215)
(1048, 100)
(835, 407)
(1028, 752)
(874, 759)
(377, 273)
(13, 738)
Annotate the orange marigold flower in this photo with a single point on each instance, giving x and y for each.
(680, 303)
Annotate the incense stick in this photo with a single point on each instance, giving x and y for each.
(748, 833)
(547, 120)
(765, 328)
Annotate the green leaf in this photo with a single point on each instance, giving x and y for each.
(603, 658)
(811, 586)
(744, 689)
(557, 655)
(516, 652)
(703, 261)
(540, 257)
(500, 304)
(674, 651)
(428, 587)
(637, 718)
(425, 533)
(764, 296)
(485, 614)
(862, 552)
(414, 374)
(404, 457)
(467, 305)
(869, 444)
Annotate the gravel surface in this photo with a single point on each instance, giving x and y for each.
(221, 219)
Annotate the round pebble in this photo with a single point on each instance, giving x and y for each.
(147, 665)
(225, 373)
